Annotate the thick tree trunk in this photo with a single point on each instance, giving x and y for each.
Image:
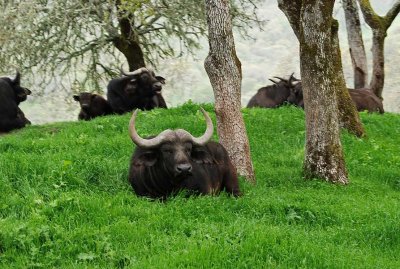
(324, 155)
(348, 114)
(378, 62)
(132, 52)
(349, 117)
(379, 26)
(128, 42)
(224, 70)
(356, 44)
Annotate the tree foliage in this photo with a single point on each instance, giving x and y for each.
(79, 38)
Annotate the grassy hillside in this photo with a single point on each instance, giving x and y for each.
(65, 201)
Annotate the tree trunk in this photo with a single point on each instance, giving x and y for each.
(348, 114)
(132, 52)
(324, 155)
(378, 62)
(356, 44)
(349, 117)
(224, 70)
(311, 21)
(379, 26)
(128, 42)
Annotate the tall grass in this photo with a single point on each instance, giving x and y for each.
(65, 201)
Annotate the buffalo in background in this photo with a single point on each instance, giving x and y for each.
(175, 160)
(92, 106)
(363, 98)
(11, 95)
(139, 89)
(275, 95)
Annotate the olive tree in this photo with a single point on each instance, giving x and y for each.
(379, 26)
(312, 22)
(96, 38)
(224, 70)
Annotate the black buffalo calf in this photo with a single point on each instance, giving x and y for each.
(175, 160)
(92, 106)
(11, 95)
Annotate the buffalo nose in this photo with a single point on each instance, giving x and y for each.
(157, 86)
(183, 168)
(85, 106)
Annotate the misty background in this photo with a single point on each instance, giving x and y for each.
(271, 52)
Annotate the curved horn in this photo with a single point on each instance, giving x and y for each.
(144, 143)
(136, 72)
(293, 79)
(153, 142)
(17, 78)
(282, 79)
(202, 140)
(273, 81)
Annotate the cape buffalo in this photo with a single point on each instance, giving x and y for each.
(363, 98)
(138, 89)
(275, 95)
(175, 160)
(92, 106)
(296, 96)
(11, 95)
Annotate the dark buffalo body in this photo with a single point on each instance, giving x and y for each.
(364, 99)
(178, 161)
(273, 96)
(92, 106)
(139, 89)
(11, 95)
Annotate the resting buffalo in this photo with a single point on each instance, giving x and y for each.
(175, 160)
(363, 98)
(92, 106)
(296, 96)
(138, 89)
(275, 95)
(11, 95)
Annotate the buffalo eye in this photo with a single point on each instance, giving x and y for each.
(168, 150)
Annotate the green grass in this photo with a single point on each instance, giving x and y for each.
(65, 201)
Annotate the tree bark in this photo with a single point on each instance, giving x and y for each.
(127, 43)
(356, 44)
(224, 70)
(312, 20)
(379, 26)
(348, 114)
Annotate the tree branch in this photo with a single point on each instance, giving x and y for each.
(392, 13)
(371, 18)
(292, 11)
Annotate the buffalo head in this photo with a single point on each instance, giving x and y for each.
(296, 95)
(85, 99)
(143, 82)
(21, 93)
(171, 150)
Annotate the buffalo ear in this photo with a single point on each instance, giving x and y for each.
(160, 79)
(76, 97)
(147, 158)
(201, 155)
